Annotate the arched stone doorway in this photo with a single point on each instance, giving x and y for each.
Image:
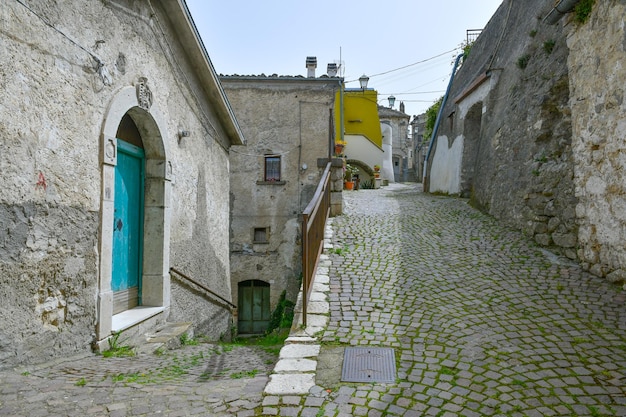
(133, 115)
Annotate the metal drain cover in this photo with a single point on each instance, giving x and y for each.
(368, 365)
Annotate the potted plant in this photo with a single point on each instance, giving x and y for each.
(339, 148)
(348, 176)
(377, 171)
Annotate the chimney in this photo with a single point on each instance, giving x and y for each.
(311, 64)
(331, 70)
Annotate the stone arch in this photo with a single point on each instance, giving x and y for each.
(362, 166)
(155, 276)
(472, 123)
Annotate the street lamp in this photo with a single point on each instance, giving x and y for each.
(392, 101)
(363, 79)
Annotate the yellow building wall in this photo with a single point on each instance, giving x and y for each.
(360, 110)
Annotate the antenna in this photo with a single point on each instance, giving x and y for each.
(340, 65)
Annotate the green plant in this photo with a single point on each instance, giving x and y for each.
(243, 374)
(81, 382)
(548, 46)
(282, 316)
(431, 117)
(367, 185)
(349, 172)
(116, 350)
(522, 61)
(533, 33)
(185, 340)
(339, 251)
(467, 47)
(583, 10)
(519, 382)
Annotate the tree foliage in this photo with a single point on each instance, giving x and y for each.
(431, 118)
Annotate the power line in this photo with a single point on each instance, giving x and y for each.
(409, 65)
(419, 92)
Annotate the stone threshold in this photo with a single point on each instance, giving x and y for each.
(132, 317)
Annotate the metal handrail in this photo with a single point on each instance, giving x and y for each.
(177, 272)
(314, 219)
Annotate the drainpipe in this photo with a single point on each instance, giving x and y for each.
(436, 128)
(561, 9)
(341, 129)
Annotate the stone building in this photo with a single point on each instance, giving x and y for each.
(287, 121)
(114, 129)
(364, 144)
(420, 144)
(401, 146)
(532, 129)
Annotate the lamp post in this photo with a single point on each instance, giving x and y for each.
(363, 79)
(392, 101)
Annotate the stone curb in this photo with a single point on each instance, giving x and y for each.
(294, 373)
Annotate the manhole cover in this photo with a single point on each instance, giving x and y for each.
(368, 365)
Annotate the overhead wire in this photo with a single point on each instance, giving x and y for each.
(409, 65)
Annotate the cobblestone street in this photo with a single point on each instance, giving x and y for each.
(482, 323)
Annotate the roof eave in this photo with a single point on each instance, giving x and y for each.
(194, 47)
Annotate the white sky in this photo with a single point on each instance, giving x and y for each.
(251, 37)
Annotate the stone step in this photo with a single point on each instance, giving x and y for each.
(167, 336)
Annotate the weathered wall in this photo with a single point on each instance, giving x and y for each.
(516, 125)
(597, 80)
(444, 178)
(400, 144)
(279, 115)
(54, 101)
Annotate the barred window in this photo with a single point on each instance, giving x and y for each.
(260, 235)
(272, 168)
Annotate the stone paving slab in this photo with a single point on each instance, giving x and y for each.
(298, 351)
(290, 384)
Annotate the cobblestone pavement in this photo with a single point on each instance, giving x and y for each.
(483, 322)
(197, 380)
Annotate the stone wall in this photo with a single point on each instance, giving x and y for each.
(509, 108)
(286, 116)
(57, 88)
(401, 147)
(597, 80)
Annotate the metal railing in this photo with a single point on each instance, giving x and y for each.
(197, 284)
(314, 219)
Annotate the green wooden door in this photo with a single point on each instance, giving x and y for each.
(254, 307)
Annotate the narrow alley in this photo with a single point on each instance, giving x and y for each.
(481, 323)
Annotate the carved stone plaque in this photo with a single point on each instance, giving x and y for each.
(144, 95)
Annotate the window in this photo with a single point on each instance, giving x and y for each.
(272, 168)
(260, 235)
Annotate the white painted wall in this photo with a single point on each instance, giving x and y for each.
(446, 166)
(360, 148)
(386, 171)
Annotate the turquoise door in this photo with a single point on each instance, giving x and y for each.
(127, 227)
